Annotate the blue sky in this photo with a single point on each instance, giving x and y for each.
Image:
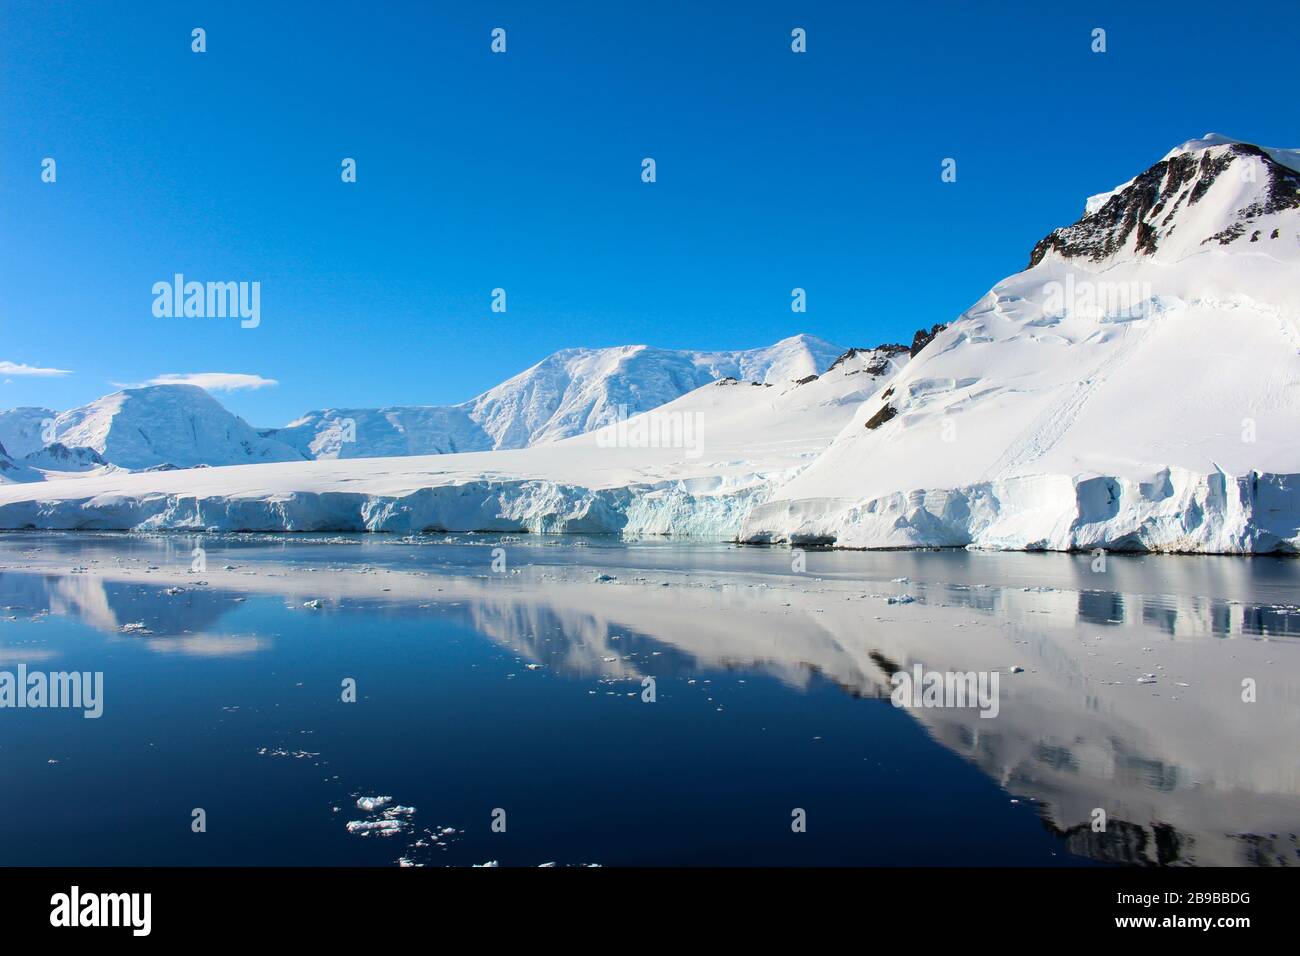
(522, 171)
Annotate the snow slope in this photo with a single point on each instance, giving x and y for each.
(566, 394)
(11, 471)
(1137, 387)
(695, 465)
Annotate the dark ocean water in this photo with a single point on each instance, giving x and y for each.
(223, 687)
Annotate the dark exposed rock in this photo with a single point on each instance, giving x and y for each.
(885, 414)
(1234, 231)
(806, 379)
(1145, 208)
(1210, 168)
(845, 357)
(922, 338)
(1283, 190)
(57, 451)
(878, 367)
(882, 364)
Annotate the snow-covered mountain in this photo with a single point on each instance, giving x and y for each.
(1137, 387)
(566, 394)
(59, 457)
(1208, 191)
(53, 460)
(575, 390)
(20, 429)
(176, 425)
(695, 465)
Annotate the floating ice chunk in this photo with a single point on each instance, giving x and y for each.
(490, 864)
(1017, 669)
(313, 604)
(900, 599)
(370, 804)
(384, 828)
(281, 752)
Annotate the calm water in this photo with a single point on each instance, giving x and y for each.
(223, 691)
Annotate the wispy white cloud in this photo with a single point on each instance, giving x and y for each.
(211, 381)
(17, 368)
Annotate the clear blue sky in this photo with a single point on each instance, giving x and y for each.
(522, 171)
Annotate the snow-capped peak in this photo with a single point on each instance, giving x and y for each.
(568, 393)
(1133, 388)
(790, 359)
(1207, 194)
(1287, 157)
(179, 425)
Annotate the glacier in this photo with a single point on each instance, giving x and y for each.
(1136, 388)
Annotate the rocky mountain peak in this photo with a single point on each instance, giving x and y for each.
(1207, 191)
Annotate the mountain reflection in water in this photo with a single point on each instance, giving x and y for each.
(1186, 771)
